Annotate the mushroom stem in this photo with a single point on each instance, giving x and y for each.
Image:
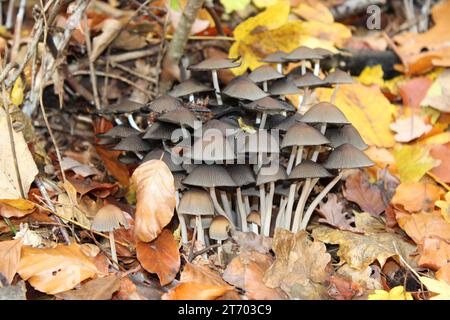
(300, 102)
(254, 228)
(316, 67)
(118, 121)
(279, 220)
(265, 86)
(301, 205)
(334, 94)
(303, 67)
(262, 201)
(191, 98)
(258, 118)
(242, 212)
(226, 205)
(323, 129)
(215, 79)
(200, 231)
(263, 120)
(268, 215)
(139, 155)
(112, 244)
(247, 205)
(289, 206)
(291, 160)
(304, 99)
(317, 200)
(132, 123)
(184, 233)
(298, 158)
(219, 252)
(212, 193)
(280, 68)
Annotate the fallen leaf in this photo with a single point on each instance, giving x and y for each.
(359, 251)
(438, 95)
(233, 5)
(161, 256)
(311, 10)
(413, 162)
(343, 289)
(198, 283)
(55, 270)
(367, 196)
(445, 207)
(155, 199)
(97, 289)
(251, 241)
(17, 92)
(440, 288)
(16, 208)
(434, 253)
(397, 293)
(9, 183)
(420, 226)
(363, 277)
(333, 215)
(410, 128)
(299, 268)
(414, 91)
(442, 154)
(443, 273)
(372, 75)
(415, 197)
(9, 258)
(369, 111)
(110, 29)
(246, 271)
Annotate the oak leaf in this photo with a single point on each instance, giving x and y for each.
(161, 256)
(367, 109)
(155, 199)
(54, 270)
(299, 268)
(333, 215)
(246, 271)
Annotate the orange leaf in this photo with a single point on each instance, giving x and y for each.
(54, 270)
(417, 196)
(441, 152)
(422, 225)
(444, 273)
(161, 256)
(434, 253)
(115, 168)
(9, 258)
(155, 199)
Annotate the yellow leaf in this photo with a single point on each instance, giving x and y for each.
(336, 33)
(372, 75)
(273, 17)
(445, 207)
(54, 270)
(413, 162)
(263, 3)
(316, 11)
(397, 293)
(441, 288)
(17, 92)
(233, 5)
(155, 199)
(367, 109)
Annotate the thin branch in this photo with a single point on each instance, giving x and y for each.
(91, 63)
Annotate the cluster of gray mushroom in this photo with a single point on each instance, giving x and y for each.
(243, 157)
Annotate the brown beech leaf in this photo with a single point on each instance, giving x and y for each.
(442, 153)
(434, 253)
(333, 215)
(299, 268)
(246, 271)
(55, 270)
(10, 257)
(97, 289)
(155, 199)
(115, 168)
(416, 196)
(410, 128)
(198, 282)
(361, 250)
(367, 196)
(424, 224)
(161, 256)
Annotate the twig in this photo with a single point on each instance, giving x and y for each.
(218, 38)
(18, 28)
(209, 6)
(200, 252)
(134, 73)
(91, 63)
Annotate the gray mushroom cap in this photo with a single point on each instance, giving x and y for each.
(283, 87)
(347, 156)
(303, 53)
(346, 134)
(241, 174)
(244, 88)
(188, 87)
(309, 169)
(339, 77)
(214, 64)
(301, 134)
(276, 57)
(209, 176)
(264, 73)
(108, 219)
(180, 116)
(133, 143)
(263, 177)
(324, 112)
(164, 103)
(120, 131)
(196, 202)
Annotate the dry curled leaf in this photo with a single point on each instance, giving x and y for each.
(110, 29)
(9, 258)
(155, 199)
(55, 270)
(333, 215)
(358, 189)
(246, 271)
(97, 289)
(299, 268)
(161, 256)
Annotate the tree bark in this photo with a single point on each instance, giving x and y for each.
(178, 43)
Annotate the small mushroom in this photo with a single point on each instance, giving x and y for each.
(218, 230)
(196, 203)
(182, 117)
(276, 57)
(160, 131)
(346, 134)
(189, 88)
(108, 219)
(162, 104)
(267, 106)
(303, 54)
(213, 147)
(119, 131)
(244, 88)
(263, 74)
(324, 53)
(254, 219)
(134, 144)
(166, 157)
(283, 87)
(306, 81)
(214, 64)
(345, 156)
(337, 78)
(126, 107)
